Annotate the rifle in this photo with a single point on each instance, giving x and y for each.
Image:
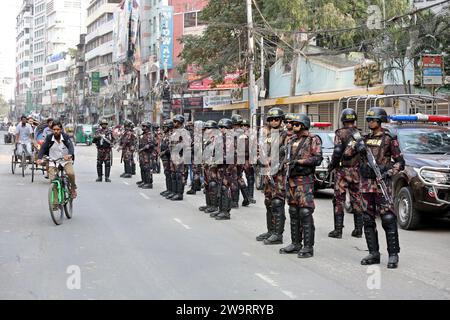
(376, 169)
(288, 159)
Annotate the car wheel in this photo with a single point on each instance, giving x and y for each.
(408, 216)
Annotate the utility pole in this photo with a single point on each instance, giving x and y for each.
(252, 97)
(263, 85)
(294, 73)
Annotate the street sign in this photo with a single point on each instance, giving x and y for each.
(95, 82)
(432, 70)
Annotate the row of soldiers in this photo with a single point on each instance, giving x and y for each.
(292, 182)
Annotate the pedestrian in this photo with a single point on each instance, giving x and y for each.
(345, 163)
(104, 141)
(386, 151)
(303, 154)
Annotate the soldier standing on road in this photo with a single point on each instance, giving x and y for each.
(128, 145)
(104, 140)
(241, 185)
(177, 169)
(249, 168)
(274, 184)
(156, 165)
(386, 151)
(196, 167)
(345, 163)
(146, 148)
(165, 154)
(304, 153)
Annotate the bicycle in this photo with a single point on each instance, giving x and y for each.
(23, 160)
(60, 188)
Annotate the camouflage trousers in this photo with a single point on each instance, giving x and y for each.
(166, 166)
(374, 202)
(104, 155)
(146, 160)
(276, 190)
(240, 176)
(249, 170)
(301, 192)
(347, 180)
(179, 169)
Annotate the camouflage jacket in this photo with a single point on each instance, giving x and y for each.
(100, 142)
(345, 153)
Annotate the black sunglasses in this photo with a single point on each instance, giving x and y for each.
(296, 124)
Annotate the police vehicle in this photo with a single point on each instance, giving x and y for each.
(423, 188)
(322, 179)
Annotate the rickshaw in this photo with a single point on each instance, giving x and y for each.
(83, 134)
(69, 130)
(36, 147)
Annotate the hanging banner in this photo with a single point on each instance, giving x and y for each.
(166, 16)
(95, 82)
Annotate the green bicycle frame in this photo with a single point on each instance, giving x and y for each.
(60, 191)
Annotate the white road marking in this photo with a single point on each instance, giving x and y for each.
(246, 254)
(267, 279)
(126, 183)
(289, 294)
(144, 196)
(180, 222)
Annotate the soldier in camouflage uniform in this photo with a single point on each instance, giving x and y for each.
(303, 154)
(196, 167)
(249, 168)
(178, 170)
(104, 141)
(128, 145)
(274, 184)
(227, 174)
(147, 144)
(165, 154)
(211, 177)
(386, 151)
(345, 164)
(156, 165)
(240, 182)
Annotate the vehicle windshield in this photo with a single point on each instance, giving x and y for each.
(327, 139)
(424, 141)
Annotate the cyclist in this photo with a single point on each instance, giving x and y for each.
(24, 136)
(59, 146)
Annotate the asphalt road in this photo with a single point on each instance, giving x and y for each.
(129, 243)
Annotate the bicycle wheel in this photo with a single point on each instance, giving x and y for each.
(33, 168)
(13, 164)
(58, 214)
(68, 208)
(24, 163)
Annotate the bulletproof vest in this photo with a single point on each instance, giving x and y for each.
(298, 147)
(380, 147)
(350, 157)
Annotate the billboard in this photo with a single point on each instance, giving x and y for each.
(208, 83)
(432, 70)
(95, 82)
(166, 30)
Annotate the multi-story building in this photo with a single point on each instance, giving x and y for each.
(24, 62)
(39, 54)
(64, 24)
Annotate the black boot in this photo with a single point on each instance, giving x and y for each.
(133, 168)
(148, 179)
(173, 186)
(296, 244)
(214, 198)
(208, 203)
(225, 205)
(125, 169)
(338, 225)
(244, 191)
(198, 185)
(128, 171)
(235, 198)
(140, 183)
(269, 223)
(279, 218)
(107, 172)
(357, 233)
(193, 189)
(180, 188)
(371, 234)
(308, 229)
(99, 172)
(164, 193)
(389, 222)
(251, 189)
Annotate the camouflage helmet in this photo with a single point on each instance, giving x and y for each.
(378, 114)
(178, 118)
(155, 126)
(128, 124)
(168, 123)
(303, 119)
(245, 123)
(236, 119)
(225, 123)
(288, 117)
(103, 121)
(275, 113)
(211, 124)
(199, 125)
(348, 115)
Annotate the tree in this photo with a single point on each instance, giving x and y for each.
(4, 107)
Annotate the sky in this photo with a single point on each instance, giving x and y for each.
(8, 14)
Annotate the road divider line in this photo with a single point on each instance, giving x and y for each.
(267, 279)
(289, 294)
(126, 183)
(180, 222)
(144, 196)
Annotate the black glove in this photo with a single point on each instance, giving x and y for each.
(361, 147)
(330, 167)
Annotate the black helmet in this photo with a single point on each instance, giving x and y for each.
(245, 123)
(146, 124)
(168, 123)
(236, 119)
(225, 123)
(275, 113)
(199, 125)
(303, 119)
(378, 114)
(103, 121)
(348, 115)
(128, 124)
(155, 126)
(178, 118)
(211, 124)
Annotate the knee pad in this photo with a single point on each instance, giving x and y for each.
(293, 213)
(99, 163)
(305, 212)
(368, 220)
(268, 203)
(108, 163)
(277, 203)
(388, 219)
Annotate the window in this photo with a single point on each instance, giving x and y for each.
(190, 19)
